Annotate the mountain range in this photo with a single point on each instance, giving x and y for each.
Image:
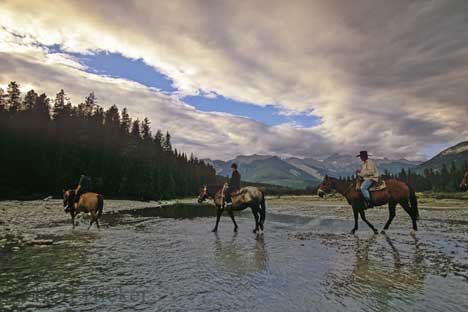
(457, 154)
(303, 172)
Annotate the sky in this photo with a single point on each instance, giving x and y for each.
(287, 78)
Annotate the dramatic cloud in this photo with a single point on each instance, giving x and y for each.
(389, 76)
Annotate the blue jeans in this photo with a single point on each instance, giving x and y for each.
(366, 184)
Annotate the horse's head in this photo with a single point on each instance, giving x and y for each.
(204, 194)
(68, 198)
(464, 182)
(326, 186)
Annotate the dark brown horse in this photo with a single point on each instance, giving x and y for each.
(464, 182)
(247, 197)
(91, 203)
(396, 192)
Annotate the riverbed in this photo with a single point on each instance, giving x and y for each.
(151, 259)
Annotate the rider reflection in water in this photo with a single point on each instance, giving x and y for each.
(234, 184)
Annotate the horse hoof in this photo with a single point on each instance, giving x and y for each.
(376, 232)
(254, 231)
(352, 232)
(413, 233)
(382, 232)
(214, 230)
(235, 229)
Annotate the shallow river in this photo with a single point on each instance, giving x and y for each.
(304, 261)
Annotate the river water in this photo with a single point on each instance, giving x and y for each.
(143, 260)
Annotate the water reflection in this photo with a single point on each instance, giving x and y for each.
(235, 257)
(37, 277)
(380, 283)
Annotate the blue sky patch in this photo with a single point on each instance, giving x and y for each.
(119, 66)
(269, 115)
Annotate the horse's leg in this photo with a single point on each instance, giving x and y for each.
(363, 217)
(218, 216)
(73, 219)
(356, 219)
(93, 218)
(97, 223)
(262, 214)
(256, 216)
(408, 210)
(231, 214)
(391, 215)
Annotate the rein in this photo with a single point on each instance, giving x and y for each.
(349, 188)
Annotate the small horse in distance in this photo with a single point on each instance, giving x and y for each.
(91, 203)
(246, 197)
(396, 192)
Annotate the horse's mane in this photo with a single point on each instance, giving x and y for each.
(214, 188)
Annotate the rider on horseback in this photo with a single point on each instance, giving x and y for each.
(234, 184)
(84, 186)
(369, 174)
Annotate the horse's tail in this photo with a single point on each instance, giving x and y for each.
(262, 209)
(100, 205)
(413, 201)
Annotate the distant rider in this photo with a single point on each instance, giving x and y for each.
(234, 184)
(369, 174)
(84, 186)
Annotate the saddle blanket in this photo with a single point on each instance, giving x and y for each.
(377, 186)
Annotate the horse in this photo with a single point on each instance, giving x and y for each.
(92, 203)
(464, 182)
(246, 197)
(396, 192)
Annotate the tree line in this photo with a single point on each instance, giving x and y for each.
(46, 144)
(447, 179)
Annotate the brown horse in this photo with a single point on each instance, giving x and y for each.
(92, 203)
(396, 192)
(464, 182)
(247, 197)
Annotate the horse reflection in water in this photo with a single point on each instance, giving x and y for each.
(376, 279)
(232, 257)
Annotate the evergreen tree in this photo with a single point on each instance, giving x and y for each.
(13, 97)
(166, 144)
(126, 121)
(146, 130)
(29, 100)
(41, 108)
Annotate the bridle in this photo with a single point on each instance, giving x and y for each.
(344, 193)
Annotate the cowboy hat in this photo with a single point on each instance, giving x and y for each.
(363, 154)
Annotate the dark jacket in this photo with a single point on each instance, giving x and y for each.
(85, 183)
(235, 180)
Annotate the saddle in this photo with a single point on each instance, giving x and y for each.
(376, 186)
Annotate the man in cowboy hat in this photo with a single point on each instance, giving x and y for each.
(234, 184)
(369, 174)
